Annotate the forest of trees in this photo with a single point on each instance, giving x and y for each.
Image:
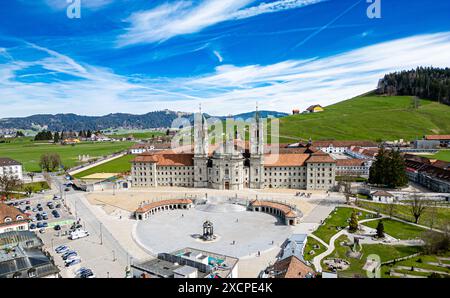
(388, 169)
(423, 82)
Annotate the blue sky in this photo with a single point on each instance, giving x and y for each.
(138, 56)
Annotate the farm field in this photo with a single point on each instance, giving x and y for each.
(441, 155)
(369, 117)
(28, 152)
(118, 165)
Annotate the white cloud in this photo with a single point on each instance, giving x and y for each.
(219, 56)
(281, 86)
(185, 17)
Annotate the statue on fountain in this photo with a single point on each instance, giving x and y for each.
(208, 231)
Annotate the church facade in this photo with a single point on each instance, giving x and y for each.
(235, 166)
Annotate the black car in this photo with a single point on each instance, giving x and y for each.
(45, 217)
(38, 217)
(40, 209)
(58, 206)
(32, 226)
(57, 227)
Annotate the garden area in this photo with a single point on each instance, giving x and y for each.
(437, 217)
(338, 220)
(312, 249)
(397, 229)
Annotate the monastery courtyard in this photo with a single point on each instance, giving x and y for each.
(253, 237)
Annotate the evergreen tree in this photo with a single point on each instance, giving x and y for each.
(380, 229)
(56, 137)
(353, 225)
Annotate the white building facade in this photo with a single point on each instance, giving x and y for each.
(10, 167)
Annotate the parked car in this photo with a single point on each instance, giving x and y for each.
(40, 225)
(42, 231)
(68, 253)
(45, 217)
(40, 209)
(28, 202)
(57, 228)
(82, 270)
(28, 208)
(61, 249)
(44, 213)
(67, 189)
(34, 209)
(87, 274)
(45, 224)
(39, 205)
(73, 262)
(58, 206)
(77, 234)
(56, 197)
(32, 226)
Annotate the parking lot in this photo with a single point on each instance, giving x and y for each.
(94, 255)
(44, 217)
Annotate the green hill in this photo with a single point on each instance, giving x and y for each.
(369, 117)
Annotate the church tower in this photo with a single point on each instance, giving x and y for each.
(201, 149)
(257, 152)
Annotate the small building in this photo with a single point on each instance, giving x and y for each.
(382, 196)
(444, 140)
(144, 212)
(22, 256)
(315, 109)
(71, 141)
(287, 213)
(11, 168)
(295, 246)
(291, 267)
(187, 263)
(295, 112)
(12, 219)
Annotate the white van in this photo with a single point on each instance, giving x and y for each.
(78, 234)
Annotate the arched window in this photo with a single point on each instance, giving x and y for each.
(8, 219)
(19, 217)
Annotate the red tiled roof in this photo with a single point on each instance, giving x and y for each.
(334, 143)
(438, 137)
(283, 160)
(353, 162)
(5, 161)
(166, 159)
(287, 210)
(152, 205)
(7, 211)
(292, 267)
(320, 157)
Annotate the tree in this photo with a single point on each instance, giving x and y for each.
(31, 175)
(353, 225)
(28, 190)
(418, 206)
(50, 161)
(56, 138)
(8, 184)
(391, 209)
(19, 134)
(436, 242)
(380, 229)
(388, 169)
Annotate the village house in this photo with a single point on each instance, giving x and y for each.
(12, 219)
(315, 109)
(11, 168)
(382, 196)
(290, 267)
(444, 140)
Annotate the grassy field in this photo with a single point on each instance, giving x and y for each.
(118, 165)
(138, 135)
(310, 246)
(441, 155)
(386, 253)
(398, 229)
(28, 152)
(440, 215)
(337, 219)
(369, 118)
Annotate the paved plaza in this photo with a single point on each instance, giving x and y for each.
(251, 232)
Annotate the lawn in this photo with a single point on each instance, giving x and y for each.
(441, 155)
(28, 152)
(440, 215)
(421, 261)
(138, 134)
(398, 229)
(337, 219)
(36, 186)
(369, 118)
(385, 252)
(118, 165)
(310, 246)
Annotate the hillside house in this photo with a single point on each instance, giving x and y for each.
(315, 109)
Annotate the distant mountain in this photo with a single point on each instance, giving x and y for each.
(68, 122)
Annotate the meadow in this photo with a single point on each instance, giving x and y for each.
(369, 117)
(118, 165)
(29, 152)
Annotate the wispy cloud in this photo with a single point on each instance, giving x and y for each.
(91, 4)
(280, 86)
(184, 17)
